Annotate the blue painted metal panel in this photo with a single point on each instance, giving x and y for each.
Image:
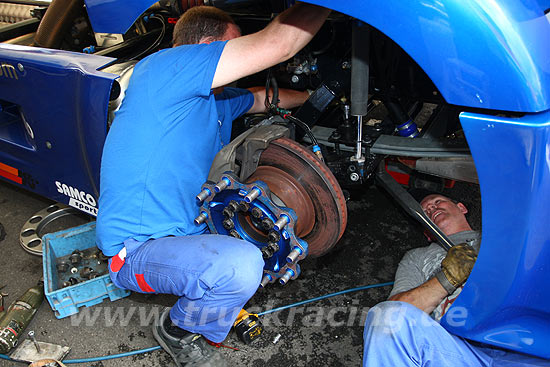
(483, 54)
(507, 295)
(108, 16)
(64, 100)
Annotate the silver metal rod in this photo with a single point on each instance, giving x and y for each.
(281, 222)
(293, 255)
(359, 151)
(31, 336)
(266, 280)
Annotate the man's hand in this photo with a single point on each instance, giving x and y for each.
(456, 267)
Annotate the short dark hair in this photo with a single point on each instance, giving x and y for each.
(201, 22)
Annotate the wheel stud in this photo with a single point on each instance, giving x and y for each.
(234, 233)
(267, 224)
(228, 224)
(274, 236)
(244, 206)
(257, 212)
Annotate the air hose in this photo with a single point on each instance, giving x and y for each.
(272, 106)
(152, 349)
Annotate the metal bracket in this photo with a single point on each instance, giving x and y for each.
(455, 168)
(247, 149)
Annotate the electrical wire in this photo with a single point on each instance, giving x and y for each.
(316, 148)
(152, 349)
(272, 107)
(157, 41)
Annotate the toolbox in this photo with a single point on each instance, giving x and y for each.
(75, 271)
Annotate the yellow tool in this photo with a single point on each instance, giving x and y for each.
(248, 326)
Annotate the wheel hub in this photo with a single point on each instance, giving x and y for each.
(291, 206)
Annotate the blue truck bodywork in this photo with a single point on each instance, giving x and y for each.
(63, 100)
(506, 297)
(492, 55)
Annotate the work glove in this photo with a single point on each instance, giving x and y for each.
(456, 267)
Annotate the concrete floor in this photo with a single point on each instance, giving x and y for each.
(324, 333)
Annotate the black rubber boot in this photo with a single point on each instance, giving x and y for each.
(188, 350)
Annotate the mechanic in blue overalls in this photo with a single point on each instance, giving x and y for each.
(405, 330)
(172, 122)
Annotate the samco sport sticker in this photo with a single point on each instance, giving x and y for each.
(78, 199)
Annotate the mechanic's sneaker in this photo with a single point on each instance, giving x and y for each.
(188, 350)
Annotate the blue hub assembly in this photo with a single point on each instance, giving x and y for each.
(251, 212)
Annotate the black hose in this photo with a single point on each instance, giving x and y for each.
(271, 82)
(158, 40)
(304, 127)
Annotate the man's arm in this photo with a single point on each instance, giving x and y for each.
(288, 98)
(455, 269)
(287, 34)
(426, 296)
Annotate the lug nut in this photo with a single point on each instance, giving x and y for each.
(244, 206)
(62, 267)
(234, 233)
(203, 195)
(86, 271)
(266, 252)
(203, 216)
(273, 246)
(228, 224)
(233, 205)
(252, 195)
(281, 222)
(75, 257)
(257, 212)
(274, 236)
(267, 224)
(224, 182)
(228, 212)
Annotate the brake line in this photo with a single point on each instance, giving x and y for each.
(152, 349)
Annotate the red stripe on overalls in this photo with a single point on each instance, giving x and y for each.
(143, 284)
(116, 263)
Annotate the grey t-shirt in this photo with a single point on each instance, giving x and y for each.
(420, 264)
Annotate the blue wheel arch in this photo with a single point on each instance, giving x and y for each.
(481, 54)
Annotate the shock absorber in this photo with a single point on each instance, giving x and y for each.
(406, 127)
(359, 92)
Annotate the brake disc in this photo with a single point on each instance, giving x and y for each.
(291, 206)
(329, 215)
